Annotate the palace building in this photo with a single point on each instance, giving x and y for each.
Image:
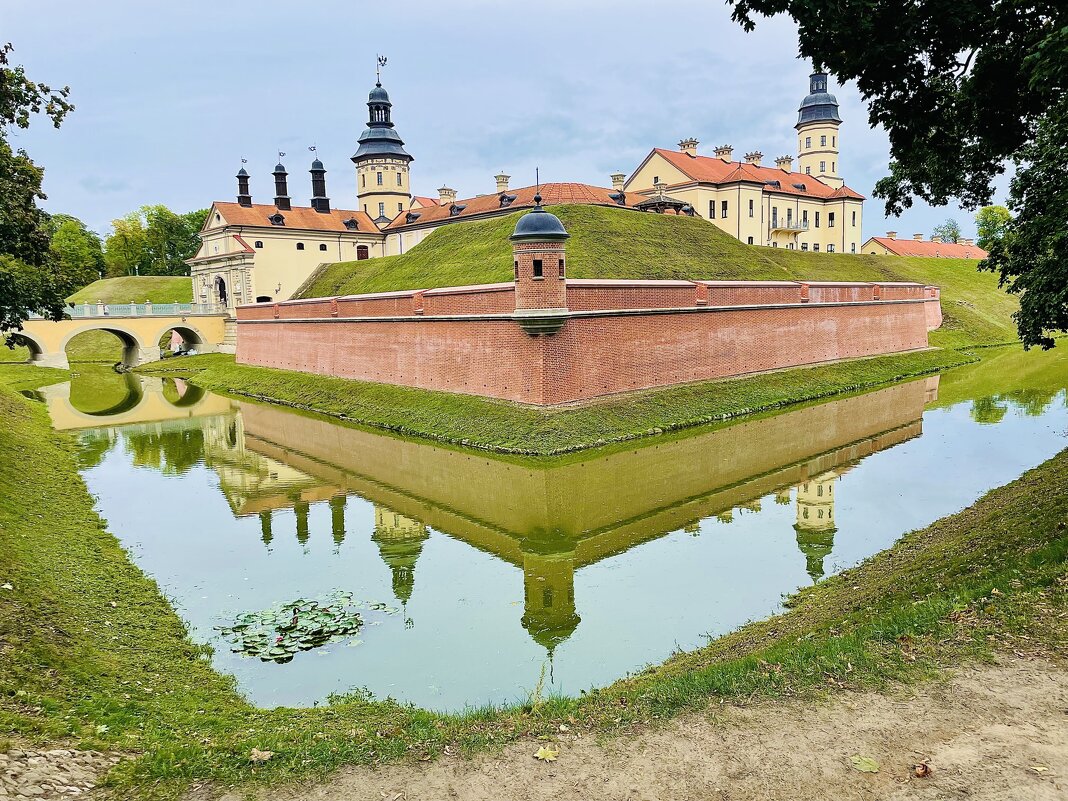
(264, 252)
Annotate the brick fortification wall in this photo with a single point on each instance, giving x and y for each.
(618, 336)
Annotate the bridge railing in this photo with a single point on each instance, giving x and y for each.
(96, 310)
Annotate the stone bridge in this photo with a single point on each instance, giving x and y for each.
(139, 326)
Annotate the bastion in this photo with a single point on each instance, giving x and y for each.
(545, 339)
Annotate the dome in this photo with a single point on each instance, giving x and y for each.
(279, 167)
(242, 173)
(538, 224)
(819, 105)
(378, 95)
(318, 165)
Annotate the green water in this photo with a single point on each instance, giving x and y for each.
(473, 580)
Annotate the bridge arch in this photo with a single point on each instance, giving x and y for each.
(134, 352)
(190, 333)
(26, 340)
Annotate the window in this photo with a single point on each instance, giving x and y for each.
(711, 209)
(830, 219)
(363, 180)
(218, 218)
(517, 270)
(834, 141)
(400, 180)
(380, 179)
(808, 171)
(361, 252)
(538, 272)
(381, 209)
(561, 273)
(823, 166)
(823, 141)
(789, 217)
(790, 246)
(832, 166)
(300, 246)
(322, 247)
(751, 210)
(259, 243)
(854, 219)
(656, 180)
(816, 246)
(804, 218)
(830, 248)
(817, 219)
(723, 209)
(804, 246)
(400, 208)
(749, 241)
(774, 244)
(808, 141)
(853, 247)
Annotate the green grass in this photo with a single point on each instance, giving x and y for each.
(137, 289)
(614, 243)
(506, 427)
(92, 655)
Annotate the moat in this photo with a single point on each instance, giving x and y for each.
(480, 580)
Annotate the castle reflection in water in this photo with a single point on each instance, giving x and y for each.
(550, 519)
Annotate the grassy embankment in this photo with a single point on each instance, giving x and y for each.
(100, 346)
(614, 243)
(94, 656)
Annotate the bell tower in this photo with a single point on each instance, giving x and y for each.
(382, 164)
(817, 132)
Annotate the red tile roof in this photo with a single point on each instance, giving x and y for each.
(303, 218)
(709, 169)
(917, 247)
(426, 201)
(552, 195)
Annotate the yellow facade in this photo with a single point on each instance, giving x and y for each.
(817, 152)
(383, 187)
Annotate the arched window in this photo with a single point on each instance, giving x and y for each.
(259, 243)
(322, 247)
(300, 246)
(361, 252)
(380, 179)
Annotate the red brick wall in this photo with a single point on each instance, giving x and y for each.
(590, 294)
(589, 356)
(487, 299)
(547, 292)
(750, 293)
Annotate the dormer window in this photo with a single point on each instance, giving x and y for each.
(456, 208)
(506, 199)
(411, 217)
(620, 198)
(277, 219)
(350, 223)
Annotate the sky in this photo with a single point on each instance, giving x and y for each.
(170, 97)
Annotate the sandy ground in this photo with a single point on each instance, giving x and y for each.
(991, 732)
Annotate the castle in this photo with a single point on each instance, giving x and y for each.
(263, 252)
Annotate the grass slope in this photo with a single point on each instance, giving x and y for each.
(506, 427)
(138, 289)
(92, 654)
(614, 243)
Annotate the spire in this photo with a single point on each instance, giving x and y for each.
(379, 139)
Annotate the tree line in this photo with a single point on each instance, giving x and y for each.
(151, 241)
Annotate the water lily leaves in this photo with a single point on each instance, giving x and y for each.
(278, 633)
(864, 764)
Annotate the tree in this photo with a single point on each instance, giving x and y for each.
(962, 87)
(949, 231)
(28, 281)
(76, 251)
(153, 241)
(990, 223)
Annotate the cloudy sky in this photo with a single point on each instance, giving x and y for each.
(171, 96)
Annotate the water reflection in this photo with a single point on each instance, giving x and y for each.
(600, 564)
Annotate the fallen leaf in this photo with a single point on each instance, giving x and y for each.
(864, 764)
(546, 754)
(259, 756)
(921, 770)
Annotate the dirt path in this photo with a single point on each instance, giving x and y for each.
(992, 732)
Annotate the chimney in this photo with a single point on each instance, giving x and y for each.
(281, 191)
(243, 196)
(689, 146)
(968, 242)
(617, 181)
(446, 196)
(754, 158)
(659, 188)
(935, 238)
(502, 182)
(320, 202)
(918, 237)
(891, 234)
(785, 163)
(724, 152)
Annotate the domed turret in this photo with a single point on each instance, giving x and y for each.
(540, 286)
(539, 225)
(382, 163)
(817, 132)
(818, 104)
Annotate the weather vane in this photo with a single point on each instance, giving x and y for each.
(378, 71)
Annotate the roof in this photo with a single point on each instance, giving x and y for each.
(552, 195)
(714, 170)
(302, 218)
(424, 201)
(916, 247)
